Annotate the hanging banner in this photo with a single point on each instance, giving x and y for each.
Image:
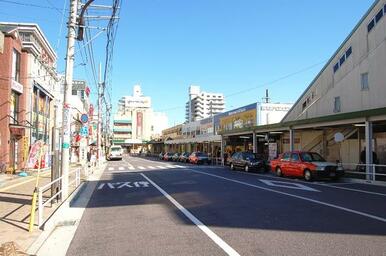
(37, 150)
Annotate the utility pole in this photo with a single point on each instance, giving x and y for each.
(99, 114)
(67, 116)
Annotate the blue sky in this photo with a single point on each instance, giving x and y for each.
(221, 45)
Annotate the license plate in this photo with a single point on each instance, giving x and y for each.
(332, 174)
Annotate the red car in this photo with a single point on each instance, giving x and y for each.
(309, 165)
(199, 158)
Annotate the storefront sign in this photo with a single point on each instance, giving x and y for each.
(237, 119)
(17, 131)
(16, 86)
(272, 150)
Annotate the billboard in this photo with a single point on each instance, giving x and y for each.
(243, 117)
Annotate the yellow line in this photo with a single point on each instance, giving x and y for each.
(20, 183)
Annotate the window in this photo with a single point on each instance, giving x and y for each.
(336, 67)
(16, 65)
(14, 108)
(376, 19)
(348, 52)
(370, 25)
(337, 104)
(295, 157)
(286, 157)
(379, 15)
(365, 81)
(304, 105)
(74, 92)
(342, 60)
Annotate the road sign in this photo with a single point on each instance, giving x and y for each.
(84, 118)
(84, 131)
(283, 184)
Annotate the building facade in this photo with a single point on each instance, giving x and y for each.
(136, 123)
(29, 82)
(203, 104)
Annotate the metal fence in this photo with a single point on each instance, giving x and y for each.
(370, 172)
(43, 203)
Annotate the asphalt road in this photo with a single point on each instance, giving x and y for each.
(145, 207)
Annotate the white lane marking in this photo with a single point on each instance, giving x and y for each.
(170, 166)
(151, 167)
(353, 189)
(111, 168)
(179, 166)
(221, 243)
(121, 168)
(296, 196)
(131, 168)
(322, 184)
(141, 167)
(161, 167)
(282, 184)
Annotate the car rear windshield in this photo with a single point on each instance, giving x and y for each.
(312, 157)
(115, 149)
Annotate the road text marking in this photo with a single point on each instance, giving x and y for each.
(283, 184)
(221, 243)
(126, 184)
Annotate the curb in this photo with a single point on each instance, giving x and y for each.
(57, 218)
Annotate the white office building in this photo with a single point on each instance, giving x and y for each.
(136, 122)
(203, 104)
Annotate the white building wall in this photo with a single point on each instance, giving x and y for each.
(203, 104)
(368, 56)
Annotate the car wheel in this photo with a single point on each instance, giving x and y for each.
(279, 172)
(307, 175)
(246, 168)
(232, 167)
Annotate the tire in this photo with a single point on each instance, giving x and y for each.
(246, 168)
(307, 175)
(279, 172)
(232, 167)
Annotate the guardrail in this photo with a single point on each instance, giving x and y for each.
(370, 172)
(41, 190)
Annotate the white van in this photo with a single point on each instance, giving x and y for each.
(115, 152)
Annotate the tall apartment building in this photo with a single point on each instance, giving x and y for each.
(203, 104)
(136, 122)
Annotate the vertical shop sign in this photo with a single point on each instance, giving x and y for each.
(139, 124)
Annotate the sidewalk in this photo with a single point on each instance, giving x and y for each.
(15, 206)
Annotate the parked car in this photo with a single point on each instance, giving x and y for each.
(309, 165)
(161, 156)
(175, 157)
(184, 157)
(168, 156)
(199, 158)
(247, 161)
(115, 152)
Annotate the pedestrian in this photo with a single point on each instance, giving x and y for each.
(88, 157)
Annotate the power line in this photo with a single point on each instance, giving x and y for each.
(31, 5)
(261, 85)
